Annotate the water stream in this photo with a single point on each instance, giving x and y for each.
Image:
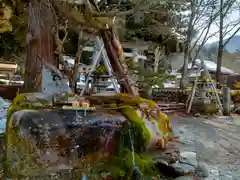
(137, 174)
(132, 147)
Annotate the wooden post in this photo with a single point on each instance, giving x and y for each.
(189, 107)
(226, 101)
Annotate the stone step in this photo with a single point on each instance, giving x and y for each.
(172, 107)
(170, 104)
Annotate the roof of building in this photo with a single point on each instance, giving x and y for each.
(211, 66)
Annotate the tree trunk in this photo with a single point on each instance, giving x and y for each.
(187, 43)
(220, 46)
(219, 64)
(75, 70)
(157, 54)
(40, 44)
(81, 45)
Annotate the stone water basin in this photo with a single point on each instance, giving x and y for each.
(60, 139)
(42, 139)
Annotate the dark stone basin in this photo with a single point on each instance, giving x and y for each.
(68, 131)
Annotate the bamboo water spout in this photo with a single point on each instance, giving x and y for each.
(116, 58)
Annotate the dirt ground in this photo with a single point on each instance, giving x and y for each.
(216, 142)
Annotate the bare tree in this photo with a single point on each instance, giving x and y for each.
(202, 15)
(188, 39)
(220, 45)
(225, 9)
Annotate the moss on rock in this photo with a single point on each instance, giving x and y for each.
(140, 133)
(27, 101)
(121, 166)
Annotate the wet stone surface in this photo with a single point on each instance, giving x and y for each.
(216, 143)
(188, 157)
(183, 169)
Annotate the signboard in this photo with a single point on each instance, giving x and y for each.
(53, 83)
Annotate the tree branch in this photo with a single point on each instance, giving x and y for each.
(227, 5)
(226, 42)
(228, 29)
(85, 19)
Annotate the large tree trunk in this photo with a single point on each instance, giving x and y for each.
(40, 44)
(187, 44)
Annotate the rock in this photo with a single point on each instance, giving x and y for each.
(60, 142)
(161, 161)
(202, 170)
(183, 169)
(190, 158)
(185, 166)
(169, 155)
(174, 170)
(185, 178)
(165, 169)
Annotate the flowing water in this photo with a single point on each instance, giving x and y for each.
(137, 174)
(132, 146)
